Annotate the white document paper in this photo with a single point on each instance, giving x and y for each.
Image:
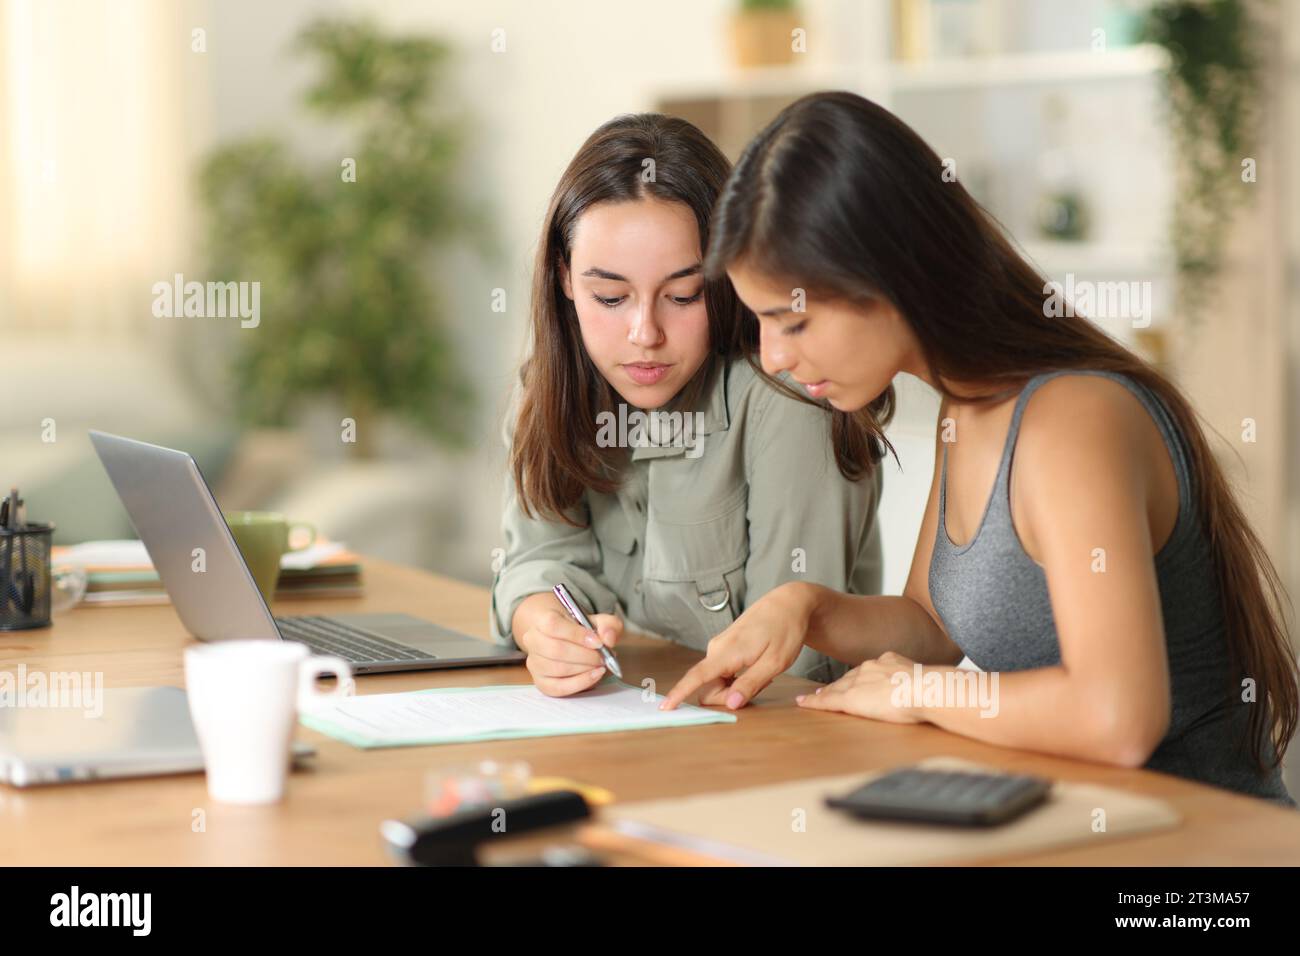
(451, 715)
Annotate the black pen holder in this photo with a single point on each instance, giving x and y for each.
(25, 576)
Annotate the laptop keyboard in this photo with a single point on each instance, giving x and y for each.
(350, 643)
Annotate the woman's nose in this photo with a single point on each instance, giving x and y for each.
(775, 356)
(645, 332)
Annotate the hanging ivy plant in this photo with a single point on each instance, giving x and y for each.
(1212, 95)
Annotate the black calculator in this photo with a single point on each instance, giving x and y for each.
(955, 797)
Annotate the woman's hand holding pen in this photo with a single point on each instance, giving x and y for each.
(563, 656)
(748, 655)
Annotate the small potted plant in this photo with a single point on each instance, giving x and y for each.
(763, 32)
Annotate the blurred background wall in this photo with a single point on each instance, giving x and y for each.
(1054, 114)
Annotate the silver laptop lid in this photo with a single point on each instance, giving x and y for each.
(121, 729)
(110, 732)
(175, 514)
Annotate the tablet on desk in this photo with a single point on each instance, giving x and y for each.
(126, 732)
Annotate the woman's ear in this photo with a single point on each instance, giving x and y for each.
(565, 284)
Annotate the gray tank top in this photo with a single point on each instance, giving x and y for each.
(993, 600)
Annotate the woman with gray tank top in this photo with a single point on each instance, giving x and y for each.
(1080, 543)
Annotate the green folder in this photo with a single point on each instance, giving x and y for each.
(686, 715)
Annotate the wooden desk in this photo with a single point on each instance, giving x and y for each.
(332, 811)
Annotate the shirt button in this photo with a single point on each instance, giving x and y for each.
(639, 507)
(637, 587)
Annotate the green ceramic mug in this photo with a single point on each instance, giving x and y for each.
(263, 538)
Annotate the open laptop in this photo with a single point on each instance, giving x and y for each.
(132, 732)
(174, 512)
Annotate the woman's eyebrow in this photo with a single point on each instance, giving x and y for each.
(682, 273)
(595, 272)
(774, 312)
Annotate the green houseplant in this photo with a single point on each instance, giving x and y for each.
(1212, 94)
(343, 246)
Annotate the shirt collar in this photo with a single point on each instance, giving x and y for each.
(713, 417)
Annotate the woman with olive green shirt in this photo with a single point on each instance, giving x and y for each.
(655, 473)
(687, 543)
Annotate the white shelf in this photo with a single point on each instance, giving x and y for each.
(793, 80)
(1029, 68)
(1010, 69)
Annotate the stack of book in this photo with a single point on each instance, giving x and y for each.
(120, 572)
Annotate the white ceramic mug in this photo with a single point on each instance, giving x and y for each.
(244, 698)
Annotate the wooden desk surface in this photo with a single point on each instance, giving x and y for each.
(332, 811)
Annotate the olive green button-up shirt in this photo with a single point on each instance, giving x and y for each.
(705, 524)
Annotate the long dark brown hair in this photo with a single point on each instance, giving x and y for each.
(844, 199)
(554, 456)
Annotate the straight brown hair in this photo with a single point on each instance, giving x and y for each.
(554, 456)
(843, 198)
